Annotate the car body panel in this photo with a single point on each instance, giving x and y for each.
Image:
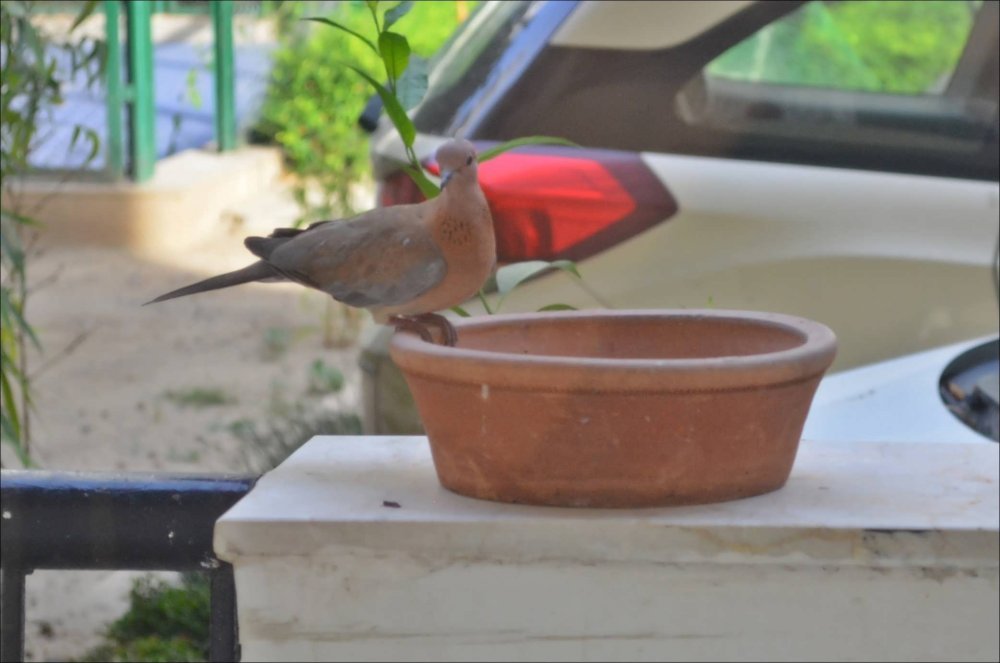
(648, 25)
(864, 404)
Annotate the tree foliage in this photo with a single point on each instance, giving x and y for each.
(887, 46)
(31, 85)
(314, 100)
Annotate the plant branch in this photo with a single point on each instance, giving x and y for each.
(69, 348)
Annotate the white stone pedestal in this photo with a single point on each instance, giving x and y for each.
(870, 552)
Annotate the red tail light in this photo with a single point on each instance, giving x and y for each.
(398, 189)
(562, 203)
(570, 203)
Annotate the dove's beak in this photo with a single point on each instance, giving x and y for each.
(445, 176)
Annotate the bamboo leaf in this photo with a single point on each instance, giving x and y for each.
(92, 139)
(95, 144)
(10, 246)
(11, 418)
(8, 359)
(10, 313)
(339, 26)
(14, 217)
(521, 142)
(7, 430)
(461, 312)
(557, 307)
(88, 9)
(31, 38)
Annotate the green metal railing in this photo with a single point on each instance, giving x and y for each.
(131, 145)
(225, 76)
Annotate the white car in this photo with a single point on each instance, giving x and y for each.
(948, 394)
(833, 160)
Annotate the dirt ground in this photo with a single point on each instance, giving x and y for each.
(125, 387)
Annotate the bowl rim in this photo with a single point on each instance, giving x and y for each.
(455, 364)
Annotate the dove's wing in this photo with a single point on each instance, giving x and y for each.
(372, 260)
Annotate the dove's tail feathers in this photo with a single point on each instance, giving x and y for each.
(258, 271)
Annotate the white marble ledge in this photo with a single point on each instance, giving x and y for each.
(867, 504)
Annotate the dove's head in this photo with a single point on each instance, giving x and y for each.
(457, 159)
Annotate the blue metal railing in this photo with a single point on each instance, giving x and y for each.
(89, 521)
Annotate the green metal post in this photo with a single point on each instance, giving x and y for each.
(225, 90)
(114, 93)
(142, 112)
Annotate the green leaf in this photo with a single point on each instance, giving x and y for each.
(11, 314)
(346, 29)
(557, 307)
(324, 379)
(8, 431)
(7, 215)
(88, 9)
(34, 42)
(510, 276)
(8, 359)
(393, 109)
(92, 138)
(397, 12)
(191, 88)
(520, 142)
(11, 419)
(461, 312)
(412, 86)
(486, 304)
(428, 188)
(372, 4)
(11, 248)
(395, 52)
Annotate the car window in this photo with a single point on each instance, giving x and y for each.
(462, 64)
(917, 78)
(890, 47)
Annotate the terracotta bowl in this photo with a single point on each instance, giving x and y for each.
(617, 408)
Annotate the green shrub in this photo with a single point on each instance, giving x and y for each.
(313, 100)
(164, 623)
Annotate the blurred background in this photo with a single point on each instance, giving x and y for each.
(835, 160)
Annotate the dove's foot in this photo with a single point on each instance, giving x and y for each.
(408, 323)
(420, 323)
(442, 323)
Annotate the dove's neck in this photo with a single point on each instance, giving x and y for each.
(463, 200)
(462, 222)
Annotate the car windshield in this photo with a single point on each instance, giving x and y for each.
(460, 67)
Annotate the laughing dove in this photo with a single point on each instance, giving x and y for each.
(402, 263)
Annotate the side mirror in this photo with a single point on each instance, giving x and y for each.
(368, 120)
